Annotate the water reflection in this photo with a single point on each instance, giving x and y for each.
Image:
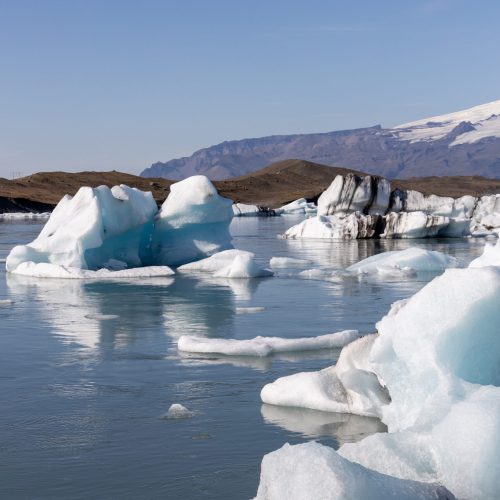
(108, 315)
(342, 427)
(262, 364)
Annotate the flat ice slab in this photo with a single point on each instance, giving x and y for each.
(265, 346)
(44, 270)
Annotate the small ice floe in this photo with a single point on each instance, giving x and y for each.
(249, 310)
(288, 262)
(24, 215)
(102, 317)
(413, 258)
(265, 346)
(6, 302)
(215, 262)
(178, 411)
(2, 261)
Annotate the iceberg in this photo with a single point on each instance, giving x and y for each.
(120, 228)
(244, 210)
(193, 223)
(89, 229)
(432, 374)
(414, 258)
(265, 346)
(413, 225)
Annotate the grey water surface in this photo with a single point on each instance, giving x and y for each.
(88, 369)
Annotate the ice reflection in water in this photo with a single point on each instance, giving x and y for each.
(344, 428)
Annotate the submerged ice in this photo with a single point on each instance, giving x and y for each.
(121, 228)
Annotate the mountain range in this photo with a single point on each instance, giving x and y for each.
(461, 143)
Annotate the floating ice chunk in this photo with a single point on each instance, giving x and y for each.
(89, 229)
(193, 223)
(490, 256)
(348, 387)
(178, 411)
(265, 346)
(243, 266)
(6, 302)
(414, 258)
(249, 310)
(300, 206)
(313, 471)
(288, 262)
(44, 270)
(216, 262)
(102, 317)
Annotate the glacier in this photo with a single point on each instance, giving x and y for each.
(112, 231)
(431, 373)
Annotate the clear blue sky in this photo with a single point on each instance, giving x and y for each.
(108, 84)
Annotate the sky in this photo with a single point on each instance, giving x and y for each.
(119, 85)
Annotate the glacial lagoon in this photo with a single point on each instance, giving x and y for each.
(90, 368)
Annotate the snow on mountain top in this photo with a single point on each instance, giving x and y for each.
(484, 118)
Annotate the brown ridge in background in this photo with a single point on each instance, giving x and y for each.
(271, 186)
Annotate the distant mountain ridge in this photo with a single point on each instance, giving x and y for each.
(461, 143)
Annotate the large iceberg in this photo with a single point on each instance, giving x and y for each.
(490, 256)
(120, 228)
(432, 373)
(90, 229)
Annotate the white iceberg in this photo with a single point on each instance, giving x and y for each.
(243, 266)
(490, 256)
(312, 471)
(414, 258)
(120, 228)
(413, 225)
(249, 310)
(265, 346)
(436, 358)
(89, 229)
(193, 223)
(244, 210)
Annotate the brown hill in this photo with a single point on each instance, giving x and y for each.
(272, 186)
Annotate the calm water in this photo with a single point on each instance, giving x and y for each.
(83, 396)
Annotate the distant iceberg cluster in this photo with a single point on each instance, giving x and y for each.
(431, 373)
(356, 207)
(113, 232)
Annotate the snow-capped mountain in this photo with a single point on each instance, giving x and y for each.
(461, 143)
(478, 122)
